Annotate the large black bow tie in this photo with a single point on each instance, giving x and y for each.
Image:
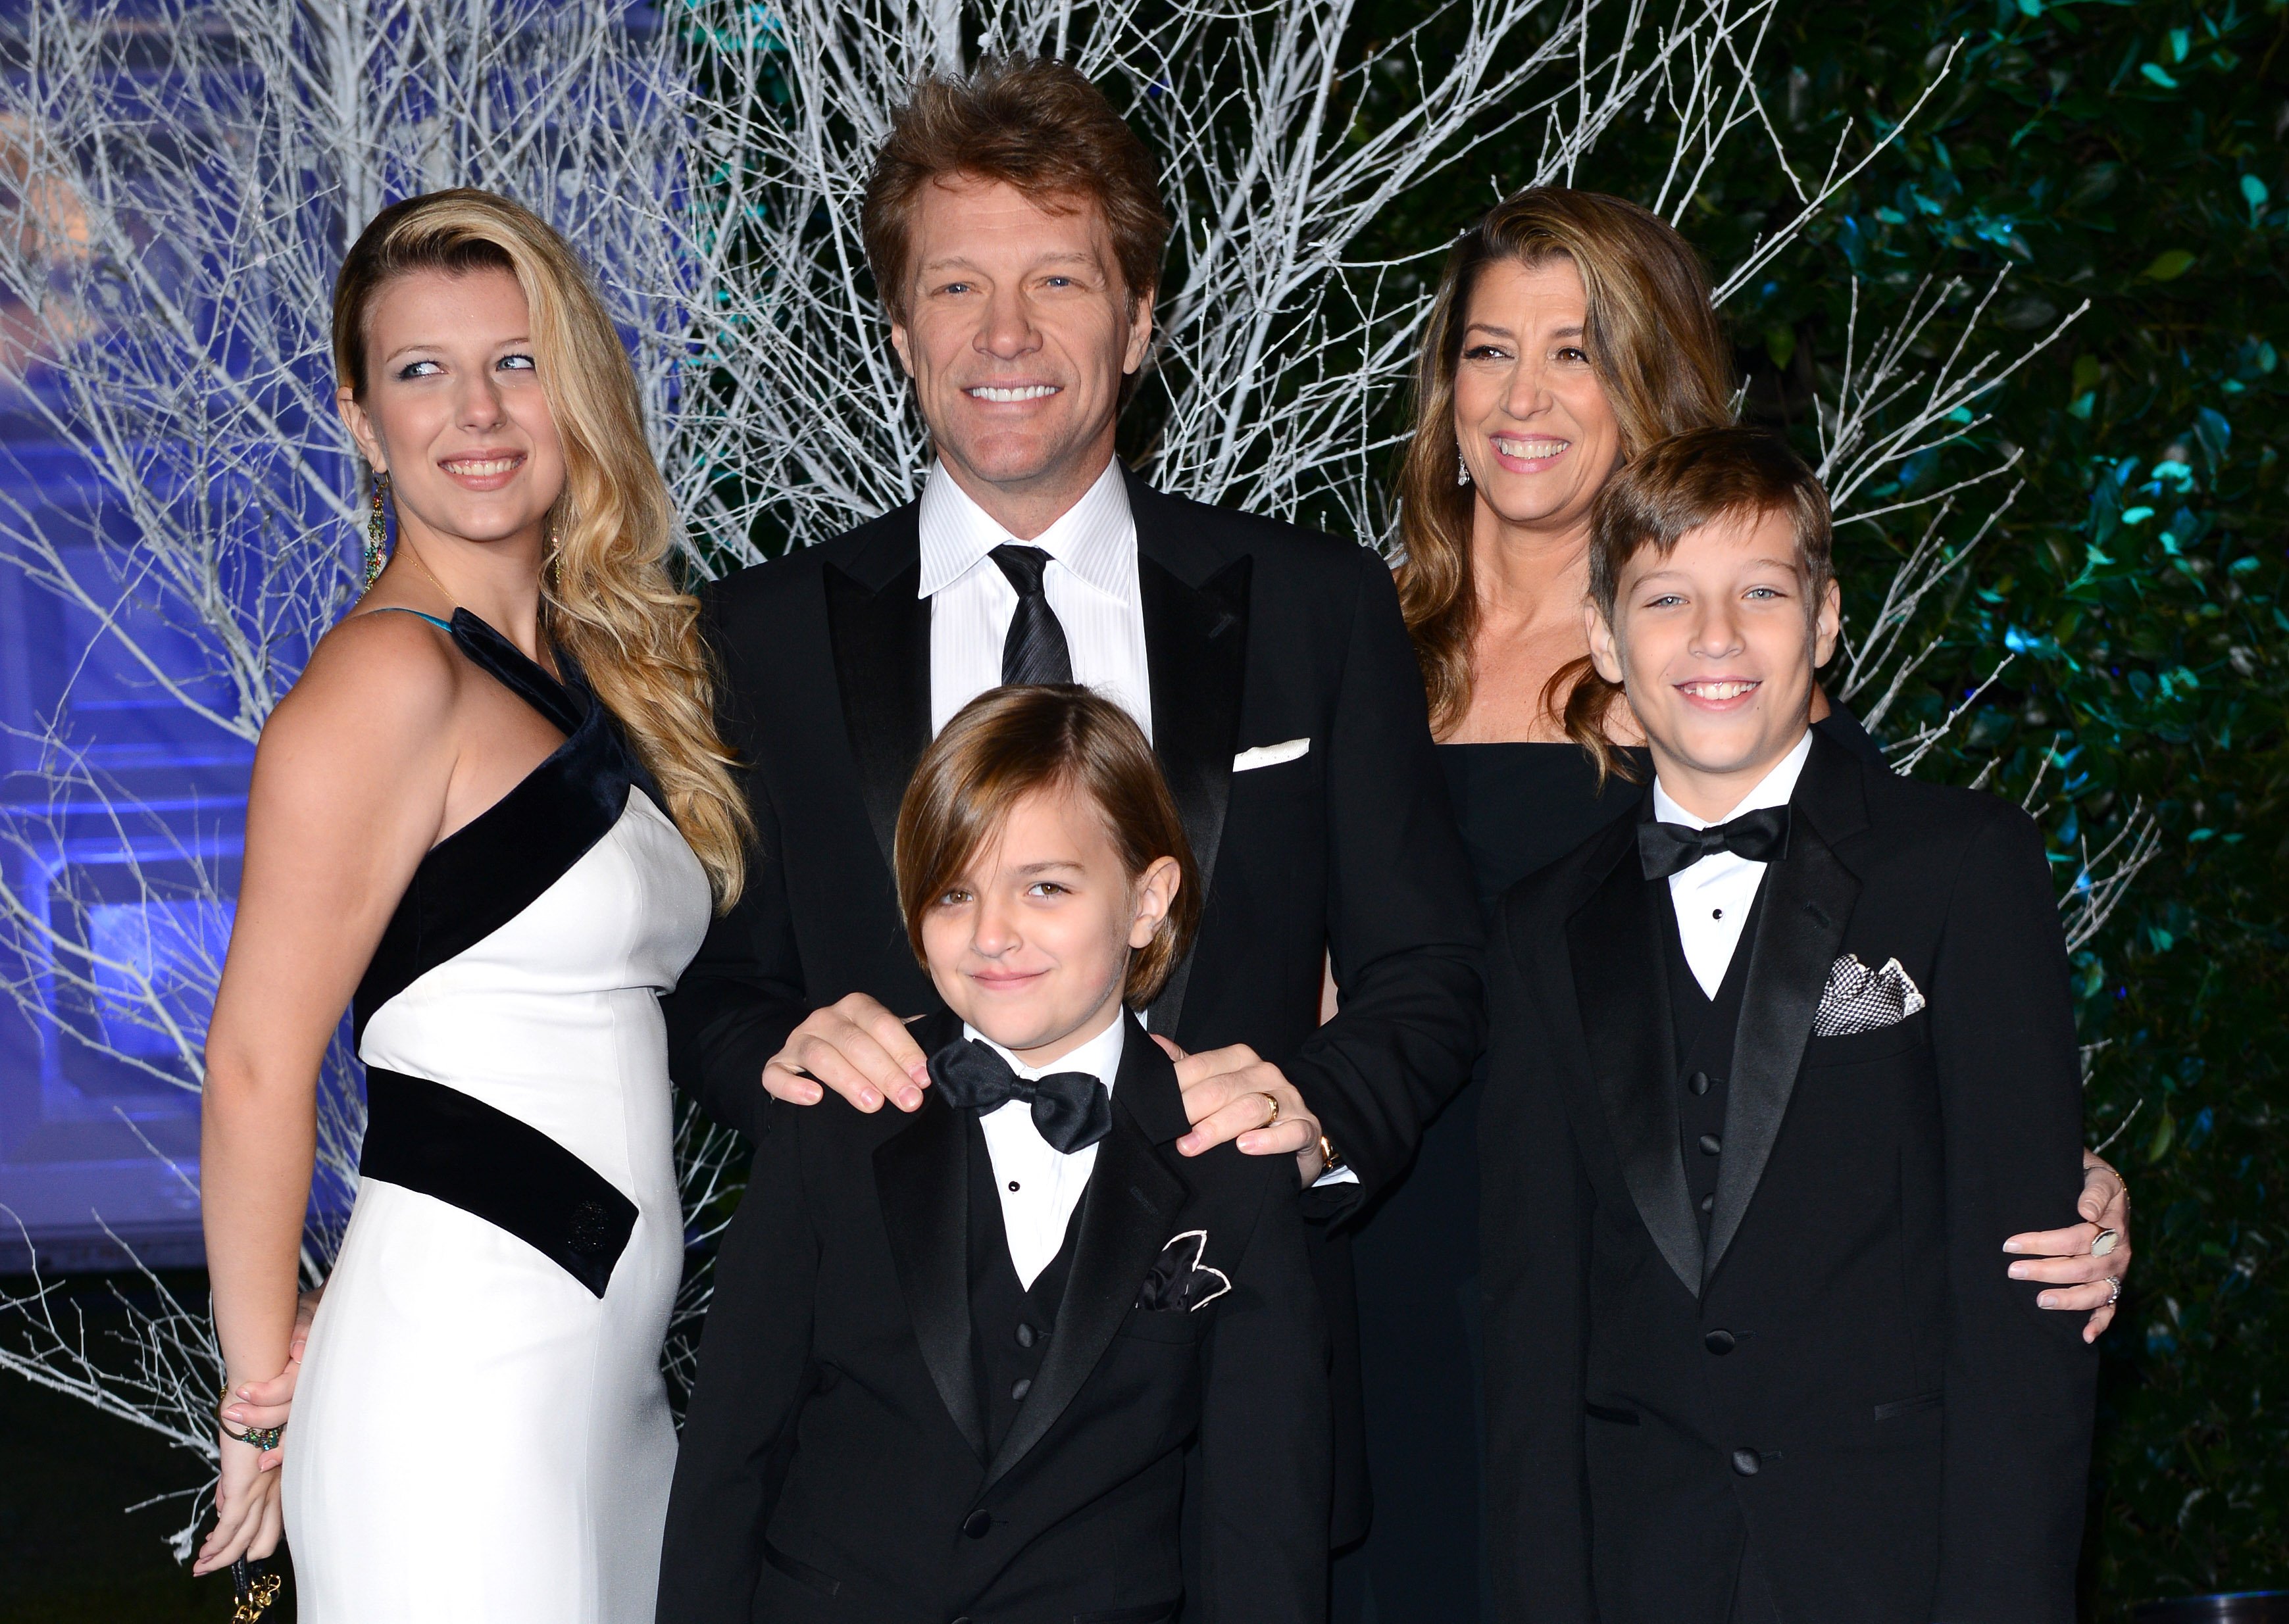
(1071, 1108)
(1671, 848)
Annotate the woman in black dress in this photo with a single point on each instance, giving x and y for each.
(1571, 330)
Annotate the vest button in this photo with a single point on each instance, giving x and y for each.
(977, 1524)
(1710, 1144)
(1023, 1386)
(1025, 1335)
(1745, 1461)
(1719, 1342)
(1698, 1082)
(1709, 1202)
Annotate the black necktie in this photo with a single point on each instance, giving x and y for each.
(1035, 649)
(1671, 848)
(1071, 1108)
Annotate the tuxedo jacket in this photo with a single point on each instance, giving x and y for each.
(1835, 1372)
(835, 1465)
(1256, 633)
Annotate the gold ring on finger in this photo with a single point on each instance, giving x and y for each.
(1273, 1100)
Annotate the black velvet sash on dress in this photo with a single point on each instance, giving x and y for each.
(432, 1138)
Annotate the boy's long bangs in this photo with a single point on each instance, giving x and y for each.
(1011, 743)
(1695, 479)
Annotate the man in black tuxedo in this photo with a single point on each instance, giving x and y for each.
(1776, 1069)
(1015, 235)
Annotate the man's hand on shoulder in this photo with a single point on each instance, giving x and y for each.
(856, 1048)
(1231, 1094)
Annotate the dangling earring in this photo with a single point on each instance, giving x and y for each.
(377, 531)
(1462, 469)
(555, 562)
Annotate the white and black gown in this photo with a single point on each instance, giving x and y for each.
(481, 1431)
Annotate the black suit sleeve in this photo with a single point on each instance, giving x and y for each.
(2019, 1382)
(1534, 1273)
(1264, 1431)
(754, 1368)
(1404, 929)
(740, 997)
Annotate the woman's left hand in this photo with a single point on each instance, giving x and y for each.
(249, 1513)
(2065, 1258)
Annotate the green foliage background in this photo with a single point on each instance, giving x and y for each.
(2131, 155)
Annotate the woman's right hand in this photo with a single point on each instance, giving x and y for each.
(249, 1512)
(268, 1404)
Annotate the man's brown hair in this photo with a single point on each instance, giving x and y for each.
(1037, 126)
(1681, 484)
(1009, 742)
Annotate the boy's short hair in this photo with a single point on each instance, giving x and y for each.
(1009, 742)
(1033, 124)
(1692, 479)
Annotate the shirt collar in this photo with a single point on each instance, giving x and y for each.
(1096, 537)
(1100, 1056)
(1773, 790)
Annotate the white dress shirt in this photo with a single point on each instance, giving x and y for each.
(1040, 1185)
(1091, 582)
(1714, 896)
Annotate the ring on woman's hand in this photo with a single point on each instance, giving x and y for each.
(1274, 1117)
(2102, 1242)
(2114, 1291)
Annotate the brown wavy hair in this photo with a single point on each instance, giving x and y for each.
(1655, 346)
(607, 598)
(1037, 126)
(1009, 742)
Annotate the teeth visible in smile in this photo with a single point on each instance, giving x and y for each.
(1718, 691)
(1027, 392)
(1529, 450)
(479, 470)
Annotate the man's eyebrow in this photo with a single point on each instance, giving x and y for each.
(946, 262)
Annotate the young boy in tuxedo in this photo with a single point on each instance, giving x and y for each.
(955, 1358)
(1777, 1066)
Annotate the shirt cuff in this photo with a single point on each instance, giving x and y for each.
(1339, 1175)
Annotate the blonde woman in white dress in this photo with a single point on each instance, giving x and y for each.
(492, 819)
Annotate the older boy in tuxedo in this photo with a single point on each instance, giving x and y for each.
(1776, 1069)
(957, 1358)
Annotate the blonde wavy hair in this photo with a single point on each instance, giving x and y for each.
(1655, 346)
(607, 598)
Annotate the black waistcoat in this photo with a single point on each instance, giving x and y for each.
(1009, 1324)
(1704, 1029)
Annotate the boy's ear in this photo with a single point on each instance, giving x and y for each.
(1605, 647)
(1828, 624)
(1156, 894)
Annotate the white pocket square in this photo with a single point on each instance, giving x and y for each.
(1859, 1000)
(1270, 755)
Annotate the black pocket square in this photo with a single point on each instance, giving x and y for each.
(1178, 1282)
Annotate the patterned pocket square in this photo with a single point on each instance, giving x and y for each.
(1859, 1000)
(1178, 1281)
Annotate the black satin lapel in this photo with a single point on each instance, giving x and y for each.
(1196, 644)
(1801, 927)
(882, 665)
(1125, 1219)
(1623, 988)
(921, 1180)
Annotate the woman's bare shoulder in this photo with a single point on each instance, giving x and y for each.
(390, 680)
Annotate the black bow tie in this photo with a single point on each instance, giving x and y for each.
(1071, 1108)
(1671, 848)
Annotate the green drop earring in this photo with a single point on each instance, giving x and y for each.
(377, 531)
